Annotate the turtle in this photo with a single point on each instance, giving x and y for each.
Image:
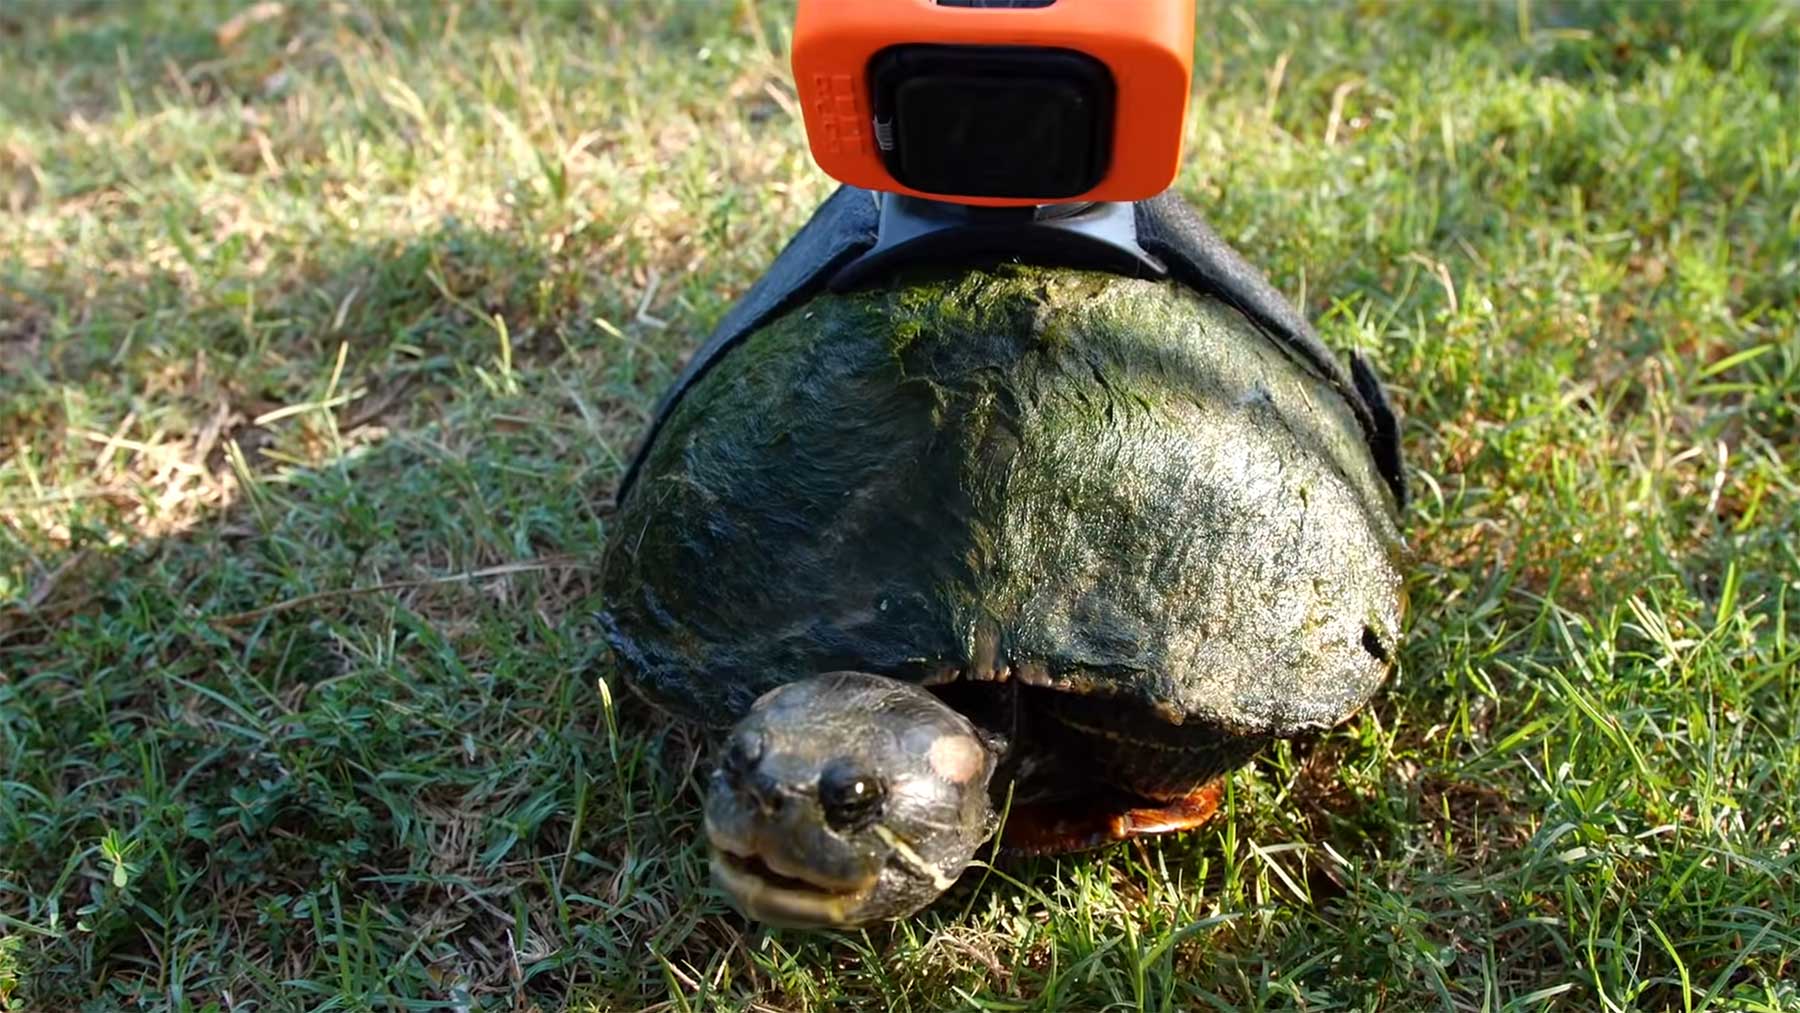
(1015, 548)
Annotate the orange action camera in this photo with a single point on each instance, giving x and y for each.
(997, 102)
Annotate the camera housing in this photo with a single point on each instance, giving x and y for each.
(997, 102)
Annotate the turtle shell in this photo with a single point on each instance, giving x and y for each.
(1104, 486)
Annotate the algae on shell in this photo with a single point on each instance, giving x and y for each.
(1116, 485)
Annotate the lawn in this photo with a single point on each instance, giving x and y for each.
(323, 336)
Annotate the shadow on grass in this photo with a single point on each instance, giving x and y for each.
(304, 702)
(227, 769)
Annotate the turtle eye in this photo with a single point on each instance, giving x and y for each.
(850, 796)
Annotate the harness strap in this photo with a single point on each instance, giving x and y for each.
(856, 238)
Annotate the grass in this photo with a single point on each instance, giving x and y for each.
(322, 338)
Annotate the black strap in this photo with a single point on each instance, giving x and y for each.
(1170, 230)
(846, 225)
(837, 233)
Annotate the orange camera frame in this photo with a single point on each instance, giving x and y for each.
(1148, 45)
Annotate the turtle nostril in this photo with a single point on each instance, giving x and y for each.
(741, 767)
(743, 752)
(765, 791)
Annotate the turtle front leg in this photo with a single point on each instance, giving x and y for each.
(1079, 824)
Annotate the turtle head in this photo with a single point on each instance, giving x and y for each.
(846, 799)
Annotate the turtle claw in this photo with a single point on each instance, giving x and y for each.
(1185, 813)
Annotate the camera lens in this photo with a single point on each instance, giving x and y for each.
(986, 121)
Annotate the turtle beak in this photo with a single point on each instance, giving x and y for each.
(763, 885)
(770, 852)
